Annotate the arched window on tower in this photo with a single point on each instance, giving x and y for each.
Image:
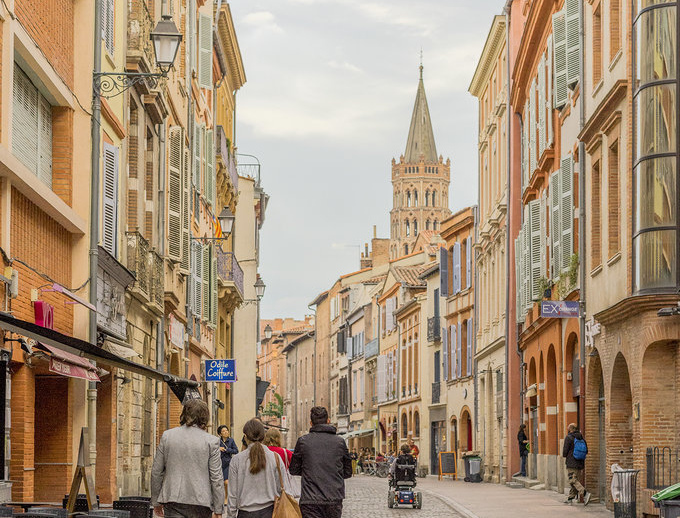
(408, 198)
(408, 229)
(435, 225)
(434, 198)
(415, 198)
(427, 198)
(405, 249)
(427, 225)
(415, 227)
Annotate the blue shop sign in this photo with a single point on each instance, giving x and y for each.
(220, 370)
(559, 308)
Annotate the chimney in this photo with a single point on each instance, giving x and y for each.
(375, 231)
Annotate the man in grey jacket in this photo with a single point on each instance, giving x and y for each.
(186, 477)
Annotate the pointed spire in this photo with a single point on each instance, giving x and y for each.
(420, 135)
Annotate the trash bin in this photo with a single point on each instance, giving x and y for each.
(668, 502)
(624, 491)
(473, 468)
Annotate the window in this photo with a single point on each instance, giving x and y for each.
(597, 44)
(427, 224)
(415, 198)
(415, 227)
(408, 229)
(31, 127)
(434, 199)
(416, 424)
(408, 198)
(614, 28)
(613, 198)
(596, 217)
(435, 225)
(404, 425)
(427, 198)
(405, 249)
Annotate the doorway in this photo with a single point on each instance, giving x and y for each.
(533, 472)
(437, 442)
(602, 470)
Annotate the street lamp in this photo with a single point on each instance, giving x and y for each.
(268, 332)
(226, 219)
(166, 39)
(259, 288)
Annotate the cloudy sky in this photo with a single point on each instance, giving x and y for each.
(327, 105)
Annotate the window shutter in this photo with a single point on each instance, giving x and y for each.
(390, 376)
(191, 31)
(108, 6)
(175, 193)
(469, 262)
(453, 349)
(541, 106)
(445, 352)
(25, 120)
(110, 205)
(459, 352)
(560, 59)
(543, 230)
(535, 246)
(470, 335)
(532, 130)
(519, 281)
(525, 146)
(527, 261)
(196, 173)
(548, 98)
(555, 226)
(204, 168)
(380, 371)
(213, 285)
(186, 205)
(572, 12)
(456, 268)
(196, 267)
(210, 173)
(444, 272)
(567, 211)
(206, 282)
(45, 142)
(205, 51)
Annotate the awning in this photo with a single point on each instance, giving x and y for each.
(84, 349)
(120, 348)
(67, 364)
(358, 433)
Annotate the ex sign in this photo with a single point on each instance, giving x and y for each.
(220, 370)
(559, 308)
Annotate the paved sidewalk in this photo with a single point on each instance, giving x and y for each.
(493, 500)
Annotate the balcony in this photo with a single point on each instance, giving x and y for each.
(436, 392)
(157, 288)
(343, 410)
(371, 349)
(230, 276)
(138, 262)
(433, 330)
(226, 159)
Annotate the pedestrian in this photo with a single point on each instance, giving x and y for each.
(415, 451)
(355, 459)
(574, 451)
(227, 450)
(272, 440)
(184, 453)
(523, 442)
(253, 477)
(322, 458)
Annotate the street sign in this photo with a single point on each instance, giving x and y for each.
(284, 421)
(559, 308)
(220, 370)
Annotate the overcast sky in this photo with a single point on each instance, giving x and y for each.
(327, 105)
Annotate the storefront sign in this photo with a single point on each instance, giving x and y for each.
(176, 332)
(220, 370)
(72, 371)
(559, 309)
(44, 314)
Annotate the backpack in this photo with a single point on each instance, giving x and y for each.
(580, 449)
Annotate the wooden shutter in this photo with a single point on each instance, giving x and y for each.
(210, 172)
(390, 376)
(196, 173)
(25, 120)
(459, 352)
(572, 13)
(470, 336)
(614, 28)
(110, 202)
(453, 349)
(555, 225)
(567, 212)
(519, 281)
(445, 352)
(528, 290)
(380, 371)
(549, 93)
(45, 141)
(595, 215)
(213, 286)
(175, 192)
(108, 32)
(532, 130)
(206, 281)
(204, 168)
(205, 51)
(469, 262)
(186, 206)
(444, 272)
(544, 231)
(541, 106)
(456, 268)
(525, 146)
(535, 246)
(560, 59)
(613, 198)
(191, 31)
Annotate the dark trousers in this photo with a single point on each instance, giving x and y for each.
(321, 511)
(262, 513)
(523, 468)
(175, 510)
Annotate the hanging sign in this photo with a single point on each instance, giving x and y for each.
(559, 309)
(220, 370)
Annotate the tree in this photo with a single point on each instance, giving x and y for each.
(274, 409)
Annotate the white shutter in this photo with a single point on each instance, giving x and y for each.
(210, 170)
(528, 284)
(459, 352)
(572, 13)
(555, 226)
(525, 146)
(107, 21)
(535, 246)
(390, 376)
(453, 360)
(205, 51)
(445, 353)
(519, 281)
(532, 130)
(544, 262)
(567, 212)
(388, 314)
(213, 286)
(175, 192)
(186, 205)
(541, 106)
(469, 262)
(204, 168)
(560, 59)
(110, 205)
(191, 32)
(206, 281)
(470, 335)
(45, 142)
(196, 267)
(381, 367)
(25, 120)
(196, 173)
(456, 268)
(549, 97)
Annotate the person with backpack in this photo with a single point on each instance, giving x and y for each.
(575, 451)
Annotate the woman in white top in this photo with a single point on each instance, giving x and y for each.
(253, 477)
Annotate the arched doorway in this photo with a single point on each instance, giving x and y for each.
(540, 449)
(551, 404)
(620, 423)
(465, 430)
(532, 404)
(596, 471)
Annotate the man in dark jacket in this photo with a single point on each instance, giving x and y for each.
(574, 466)
(322, 459)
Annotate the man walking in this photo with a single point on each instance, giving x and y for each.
(574, 451)
(322, 459)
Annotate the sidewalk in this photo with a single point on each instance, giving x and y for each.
(485, 500)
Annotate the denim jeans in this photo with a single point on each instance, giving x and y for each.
(523, 466)
(175, 510)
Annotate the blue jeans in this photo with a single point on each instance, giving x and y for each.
(523, 468)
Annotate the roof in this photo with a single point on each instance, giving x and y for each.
(375, 280)
(319, 298)
(297, 340)
(485, 65)
(410, 275)
(429, 269)
(420, 135)
(296, 330)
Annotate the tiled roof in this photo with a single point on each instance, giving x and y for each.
(409, 275)
(375, 280)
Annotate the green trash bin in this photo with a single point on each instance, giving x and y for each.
(668, 502)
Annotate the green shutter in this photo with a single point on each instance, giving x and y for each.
(206, 281)
(186, 206)
(210, 169)
(572, 12)
(567, 211)
(175, 192)
(213, 286)
(204, 172)
(555, 226)
(196, 145)
(560, 59)
(535, 247)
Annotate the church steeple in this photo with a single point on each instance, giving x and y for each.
(420, 135)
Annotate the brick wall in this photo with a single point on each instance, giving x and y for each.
(105, 478)
(51, 27)
(21, 434)
(62, 153)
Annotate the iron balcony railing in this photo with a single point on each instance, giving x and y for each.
(250, 171)
(436, 392)
(157, 280)
(371, 349)
(662, 467)
(228, 269)
(227, 156)
(433, 329)
(138, 261)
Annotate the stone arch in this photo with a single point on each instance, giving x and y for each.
(596, 468)
(572, 387)
(541, 404)
(404, 426)
(551, 402)
(466, 443)
(619, 436)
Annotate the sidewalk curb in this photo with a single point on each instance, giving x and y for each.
(459, 508)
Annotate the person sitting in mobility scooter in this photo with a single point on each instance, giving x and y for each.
(403, 481)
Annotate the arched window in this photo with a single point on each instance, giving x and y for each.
(434, 198)
(427, 225)
(404, 425)
(435, 225)
(408, 198)
(427, 198)
(415, 198)
(408, 229)
(416, 424)
(415, 227)
(405, 249)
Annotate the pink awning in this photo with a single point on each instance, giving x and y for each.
(69, 364)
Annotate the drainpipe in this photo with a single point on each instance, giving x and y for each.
(309, 306)
(582, 218)
(160, 327)
(94, 231)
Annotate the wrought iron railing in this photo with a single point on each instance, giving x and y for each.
(662, 467)
(227, 156)
(371, 349)
(436, 392)
(433, 329)
(157, 280)
(228, 269)
(250, 171)
(138, 260)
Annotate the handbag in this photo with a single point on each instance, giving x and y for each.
(285, 505)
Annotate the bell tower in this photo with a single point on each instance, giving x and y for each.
(420, 182)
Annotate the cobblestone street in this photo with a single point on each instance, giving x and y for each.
(367, 497)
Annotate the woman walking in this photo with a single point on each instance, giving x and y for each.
(272, 440)
(253, 477)
(523, 441)
(227, 450)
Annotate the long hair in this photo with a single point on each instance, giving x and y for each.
(195, 413)
(272, 437)
(522, 427)
(254, 432)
